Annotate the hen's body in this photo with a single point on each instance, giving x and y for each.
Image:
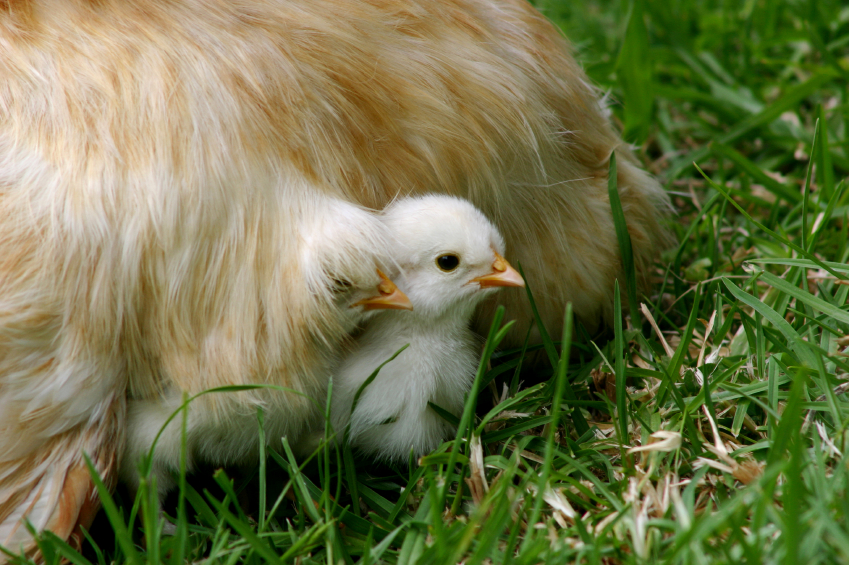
(156, 157)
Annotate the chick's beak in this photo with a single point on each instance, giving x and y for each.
(389, 297)
(502, 274)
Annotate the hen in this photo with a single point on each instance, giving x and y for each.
(157, 157)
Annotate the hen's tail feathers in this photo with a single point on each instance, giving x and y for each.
(52, 487)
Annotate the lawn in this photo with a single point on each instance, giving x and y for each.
(709, 426)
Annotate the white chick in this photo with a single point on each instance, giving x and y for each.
(451, 258)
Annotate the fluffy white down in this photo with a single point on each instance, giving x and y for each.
(392, 417)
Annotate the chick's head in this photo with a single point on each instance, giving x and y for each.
(449, 254)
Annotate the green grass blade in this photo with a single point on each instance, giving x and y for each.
(619, 367)
(806, 193)
(634, 70)
(805, 297)
(780, 238)
(799, 346)
(624, 239)
(789, 100)
(822, 157)
(754, 171)
(122, 533)
(550, 350)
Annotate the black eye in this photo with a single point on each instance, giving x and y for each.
(447, 262)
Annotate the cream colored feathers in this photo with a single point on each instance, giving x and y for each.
(340, 248)
(451, 258)
(158, 156)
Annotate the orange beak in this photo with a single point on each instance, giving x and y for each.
(389, 297)
(502, 275)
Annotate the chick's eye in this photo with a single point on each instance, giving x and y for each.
(447, 262)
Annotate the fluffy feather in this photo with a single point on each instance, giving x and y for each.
(340, 247)
(392, 417)
(157, 156)
(52, 488)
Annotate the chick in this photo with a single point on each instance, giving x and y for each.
(451, 259)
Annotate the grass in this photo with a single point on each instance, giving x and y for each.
(712, 428)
